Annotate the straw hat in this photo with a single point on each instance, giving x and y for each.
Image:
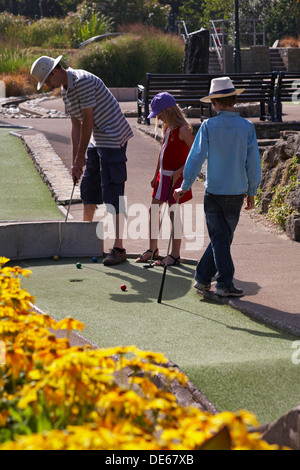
(221, 88)
(42, 68)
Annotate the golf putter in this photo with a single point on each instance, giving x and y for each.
(150, 263)
(167, 258)
(67, 215)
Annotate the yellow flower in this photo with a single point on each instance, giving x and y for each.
(31, 396)
(69, 324)
(3, 260)
(34, 374)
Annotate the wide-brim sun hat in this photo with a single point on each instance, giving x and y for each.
(160, 102)
(221, 87)
(42, 68)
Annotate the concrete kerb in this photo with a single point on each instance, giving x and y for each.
(51, 168)
(27, 240)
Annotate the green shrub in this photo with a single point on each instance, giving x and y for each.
(117, 62)
(10, 25)
(124, 61)
(14, 59)
(167, 53)
(53, 32)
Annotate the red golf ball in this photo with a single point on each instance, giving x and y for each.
(123, 287)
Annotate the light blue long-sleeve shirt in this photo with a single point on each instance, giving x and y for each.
(229, 143)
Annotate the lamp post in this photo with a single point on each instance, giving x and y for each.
(237, 50)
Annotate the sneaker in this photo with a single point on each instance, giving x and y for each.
(115, 257)
(232, 292)
(202, 287)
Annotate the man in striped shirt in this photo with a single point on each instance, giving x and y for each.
(99, 134)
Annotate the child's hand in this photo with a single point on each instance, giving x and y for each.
(176, 175)
(178, 193)
(250, 202)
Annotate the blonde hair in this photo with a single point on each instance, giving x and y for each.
(172, 118)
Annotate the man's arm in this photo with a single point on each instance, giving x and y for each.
(81, 135)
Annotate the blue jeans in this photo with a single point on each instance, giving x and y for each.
(222, 215)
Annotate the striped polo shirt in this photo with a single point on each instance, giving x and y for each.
(86, 90)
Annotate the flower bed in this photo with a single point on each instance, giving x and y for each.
(57, 397)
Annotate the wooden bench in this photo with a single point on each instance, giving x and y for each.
(287, 89)
(189, 89)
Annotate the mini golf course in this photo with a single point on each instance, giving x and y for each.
(234, 361)
(23, 194)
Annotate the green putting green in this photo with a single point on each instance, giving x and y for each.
(23, 194)
(236, 362)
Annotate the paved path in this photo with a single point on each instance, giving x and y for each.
(267, 262)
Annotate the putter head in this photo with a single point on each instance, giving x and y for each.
(148, 265)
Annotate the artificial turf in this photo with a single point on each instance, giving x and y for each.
(23, 195)
(236, 362)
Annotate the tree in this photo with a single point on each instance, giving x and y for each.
(39, 8)
(149, 12)
(283, 20)
(198, 14)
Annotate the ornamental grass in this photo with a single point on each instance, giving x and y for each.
(57, 397)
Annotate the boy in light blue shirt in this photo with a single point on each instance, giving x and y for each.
(229, 144)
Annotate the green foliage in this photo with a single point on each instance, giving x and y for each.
(124, 61)
(14, 59)
(281, 17)
(10, 24)
(147, 12)
(54, 32)
(39, 8)
(47, 32)
(283, 20)
(94, 26)
(199, 14)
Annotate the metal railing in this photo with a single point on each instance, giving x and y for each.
(222, 32)
(181, 24)
(252, 32)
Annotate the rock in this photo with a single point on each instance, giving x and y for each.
(285, 431)
(196, 57)
(281, 170)
(293, 199)
(293, 227)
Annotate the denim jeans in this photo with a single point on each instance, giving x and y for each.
(222, 215)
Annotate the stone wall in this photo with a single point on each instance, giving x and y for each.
(291, 58)
(257, 59)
